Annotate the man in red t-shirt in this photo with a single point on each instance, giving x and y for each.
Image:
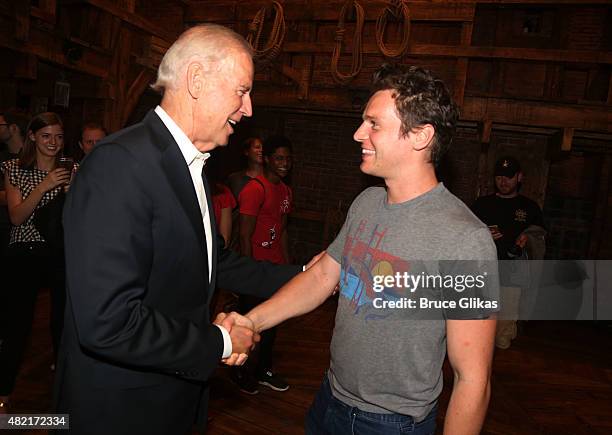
(264, 204)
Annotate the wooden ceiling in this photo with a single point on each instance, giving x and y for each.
(527, 63)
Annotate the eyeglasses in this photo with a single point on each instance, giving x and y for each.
(4, 124)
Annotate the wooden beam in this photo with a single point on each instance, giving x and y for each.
(324, 11)
(140, 84)
(26, 66)
(537, 113)
(531, 54)
(299, 76)
(131, 18)
(462, 64)
(45, 11)
(609, 100)
(129, 5)
(540, 2)
(552, 90)
(485, 131)
(22, 20)
(49, 47)
(567, 138)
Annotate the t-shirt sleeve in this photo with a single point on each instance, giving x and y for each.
(536, 215)
(475, 273)
(11, 167)
(226, 199)
(251, 198)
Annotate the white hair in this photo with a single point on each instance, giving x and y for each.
(211, 42)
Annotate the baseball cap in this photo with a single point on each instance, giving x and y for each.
(507, 166)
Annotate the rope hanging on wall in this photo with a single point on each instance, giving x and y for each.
(272, 47)
(399, 9)
(357, 55)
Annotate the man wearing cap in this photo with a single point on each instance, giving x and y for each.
(508, 215)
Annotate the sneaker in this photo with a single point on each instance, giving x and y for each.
(273, 381)
(244, 380)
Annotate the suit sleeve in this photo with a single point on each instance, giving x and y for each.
(251, 277)
(109, 252)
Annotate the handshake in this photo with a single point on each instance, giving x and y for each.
(242, 333)
(241, 329)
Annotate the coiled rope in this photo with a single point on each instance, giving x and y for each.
(357, 57)
(273, 46)
(398, 9)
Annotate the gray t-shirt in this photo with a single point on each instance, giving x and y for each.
(388, 360)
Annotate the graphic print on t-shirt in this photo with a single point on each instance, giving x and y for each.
(520, 215)
(361, 261)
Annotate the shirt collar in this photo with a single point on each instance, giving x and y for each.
(188, 149)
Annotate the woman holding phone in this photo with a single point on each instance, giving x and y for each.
(35, 184)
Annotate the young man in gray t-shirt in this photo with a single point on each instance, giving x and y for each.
(417, 279)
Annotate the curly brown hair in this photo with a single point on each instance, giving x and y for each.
(420, 99)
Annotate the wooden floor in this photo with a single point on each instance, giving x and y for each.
(555, 379)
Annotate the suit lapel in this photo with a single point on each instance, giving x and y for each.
(177, 172)
(213, 230)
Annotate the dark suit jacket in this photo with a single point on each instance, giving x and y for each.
(138, 345)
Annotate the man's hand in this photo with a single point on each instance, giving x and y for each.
(241, 332)
(495, 233)
(521, 240)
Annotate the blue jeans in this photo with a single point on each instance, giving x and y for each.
(328, 415)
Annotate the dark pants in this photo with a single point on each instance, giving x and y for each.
(30, 266)
(4, 268)
(264, 359)
(330, 416)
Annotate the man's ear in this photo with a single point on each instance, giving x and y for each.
(195, 79)
(81, 145)
(520, 177)
(423, 137)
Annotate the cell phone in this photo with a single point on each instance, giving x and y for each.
(66, 163)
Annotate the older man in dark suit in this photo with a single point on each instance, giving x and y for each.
(143, 257)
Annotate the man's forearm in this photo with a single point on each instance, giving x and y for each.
(467, 408)
(305, 292)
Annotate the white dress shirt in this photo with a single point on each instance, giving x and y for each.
(195, 162)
